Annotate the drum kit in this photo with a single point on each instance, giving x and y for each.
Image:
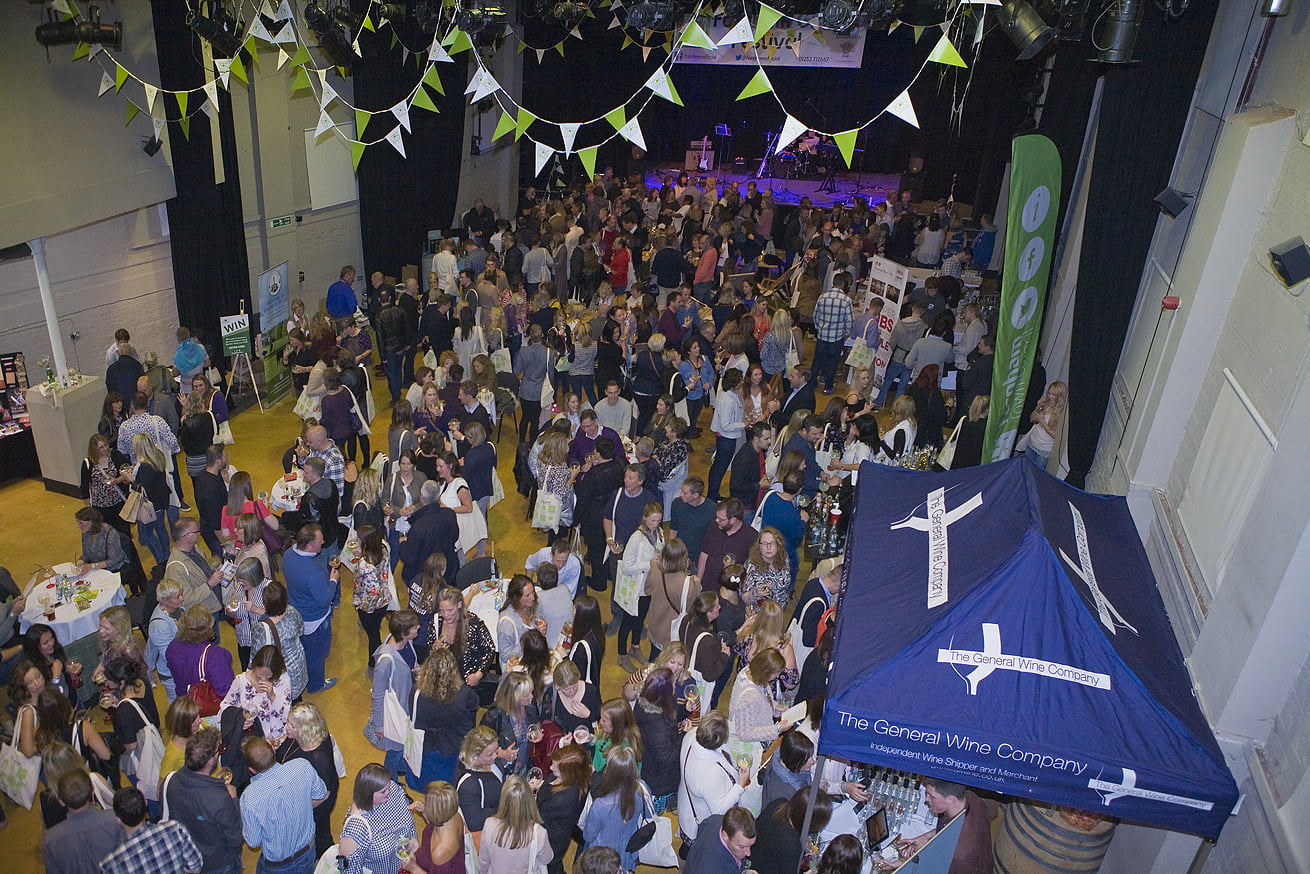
(815, 156)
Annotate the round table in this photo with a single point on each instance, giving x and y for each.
(286, 493)
(70, 623)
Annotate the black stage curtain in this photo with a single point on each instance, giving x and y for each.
(401, 199)
(210, 267)
(1144, 108)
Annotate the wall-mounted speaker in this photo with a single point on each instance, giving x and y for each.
(1171, 202)
(1291, 261)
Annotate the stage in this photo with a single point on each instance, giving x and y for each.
(847, 184)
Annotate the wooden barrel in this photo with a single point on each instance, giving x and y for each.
(1036, 839)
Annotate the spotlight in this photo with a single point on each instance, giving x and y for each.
(219, 27)
(1119, 33)
(58, 33)
(347, 18)
(658, 16)
(476, 17)
(391, 11)
(838, 15)
(331, 38)
(570, 13)
(1025, 28)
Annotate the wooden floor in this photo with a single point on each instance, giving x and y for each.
(38, 527)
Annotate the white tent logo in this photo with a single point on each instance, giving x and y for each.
(936, 522)
(1110, 617)
(1112, 791)
(991, 659)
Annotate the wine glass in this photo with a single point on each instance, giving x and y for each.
(535, 775)
(535, 734)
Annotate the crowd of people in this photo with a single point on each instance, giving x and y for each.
(606, 323)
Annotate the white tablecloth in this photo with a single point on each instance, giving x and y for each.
(71, 624)
(286, 494)
(483, 605)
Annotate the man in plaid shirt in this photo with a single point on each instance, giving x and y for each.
(157, 847)
(319, 445)
(832, 323)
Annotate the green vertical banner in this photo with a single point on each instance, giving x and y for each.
(1029, 247)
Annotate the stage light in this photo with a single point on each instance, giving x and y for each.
(347, 18)
(1118, 34)
(331, 38)
(658, 16)
(219, 27)
(570, 13)
(91, 31)
(391, 11)
(1025, 28)
(476, 17)
(838, 15)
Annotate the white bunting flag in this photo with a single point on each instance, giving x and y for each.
(659, 83)
(96, 49)
(151, 92)
(404, 56)
(322, 76)
(266, 10)
(61, 6)
(326, 96)
(401, 112)
(568, 130)
(224, 68)
(791, 129)
(981, 30)
(741, 32)
(543, 156)
(483, 84)
(257, 29)
(355, 45)
(283, 11)
(286, 35)
(397, 139)
(614, 22)
(438, 51)
(541, 53)
(106, 83)
(325, 123)
(645, 53)
(211, 93)
(158, 124)
(632, 133)
(208, 109)
(282, 58)
(575, 32)
(903, 109)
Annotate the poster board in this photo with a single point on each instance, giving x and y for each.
(887, 281)
(274, 311)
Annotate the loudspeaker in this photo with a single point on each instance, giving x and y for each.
(1171, 202)
(1291, 261)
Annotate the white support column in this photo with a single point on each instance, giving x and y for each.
(48, 305)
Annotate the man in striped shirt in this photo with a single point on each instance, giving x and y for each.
(277, 810)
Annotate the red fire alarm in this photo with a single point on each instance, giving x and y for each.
(1170, 302)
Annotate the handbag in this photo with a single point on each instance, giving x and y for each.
(223, 434)
(497, 489)
(146, 513)
(758, 522)
(681, 612)
(642, 836)
(797, 638)
(659, 852)
(860, 355)
(308, 406)
(274, 541)
(358, 420)
(946, 457)
(146, 759)
(546, 513)
(793, 356)
(19, 774)
(131, 506)
(704, 688)
(414, 743)
(202, 692)
(500, 359)
(395, 721)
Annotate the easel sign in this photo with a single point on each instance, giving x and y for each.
(235, 331)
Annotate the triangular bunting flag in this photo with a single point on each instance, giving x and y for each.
(94, 50)
(327, 95)
(396, 138)
(371, 28)
(158, 124)
(461, 43)
(891, 28)
(981, 30)
(325, 123)
(301, 81)
(82, 51)
(438, 52)
(283, 11)
(132, 110)
(251, 49)
(525, 120)
(645, 56)
(543, 154)
(918, 32)
(401, 112)
(394, 39)
(354, 46)
(224, 68)
(768, 18)
(588, 158)
(282, 58)
(483, 84)
(321, 74)
(423, 100)
(239, 69)
(614, 22)
(795, 45)
(945, 53)
(903, 109)
(208, 109)
(61, 6)
(759, 84)
(151, 93)
(627, 41)
(617, 117)
(632, 133)
(120, 77)
(559, 48)
(106, 84)
(575, 32)
(846, 144)
(259, 31)
(266, 10)
(404, 53)
(791, 129)
(695, 35)
(740, 32)
(504, 126)
(356, 152)
(211, 92)
(541, 53)
(301, 56)
(182, 98)
(659, 83)
(432, 79)
(286, 35)
(522, 46)
(185, 125)
(568, 131)
(362, 117)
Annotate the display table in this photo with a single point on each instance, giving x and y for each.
(71, 623)
(61, 425)
(286, 493)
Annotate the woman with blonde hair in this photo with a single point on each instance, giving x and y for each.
(782, 340)
(514, 840)
(639, 555)
(1047, 420)
(767, 629)
(671, 588)
(446, 708)
(480, 779)
(969, 446)
(308, 738)
(582, 370)
(555, 477)
(440, 848)
(752, 709)
(900, 439)
(513, 713)
(464, 633)
(152, 478)
(117, 640)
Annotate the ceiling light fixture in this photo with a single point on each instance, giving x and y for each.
(331, 38)
(1025, 28)
(211, 21)
(90, 31)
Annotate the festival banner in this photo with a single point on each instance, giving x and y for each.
(274, 311)
(780, 47)
(1029, 247)
(887, 281)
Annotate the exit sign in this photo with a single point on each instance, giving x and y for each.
(280, 222)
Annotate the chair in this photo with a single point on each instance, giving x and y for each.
(510, 383)
(479, 570)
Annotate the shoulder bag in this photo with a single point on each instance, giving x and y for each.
(207, 700)
(19, 774)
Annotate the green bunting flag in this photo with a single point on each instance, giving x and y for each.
(132, 110)
(362, 117)
(423, 100)
(945, 53)
(504, 126)
(301, 81)
(368, 24)
(695, 35)
(461, 43)
(524, 122)
(185, 124)
(846, 144)
(432, 79)
(182, 98)
(81, 51)
(356, 152)
(617, 118)
(588, 158)
(768, 18)
(239, 70)
(120, 77)
(301, 57)
(759, 84)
